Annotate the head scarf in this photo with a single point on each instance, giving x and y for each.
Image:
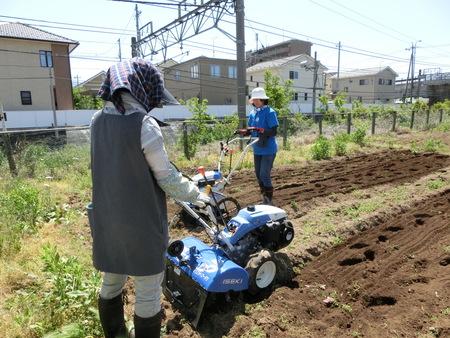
(139, 77)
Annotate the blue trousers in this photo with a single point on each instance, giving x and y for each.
(263, 167)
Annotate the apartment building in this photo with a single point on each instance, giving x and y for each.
(369, 85)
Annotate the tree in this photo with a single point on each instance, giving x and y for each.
(280, 93)
(82, 101)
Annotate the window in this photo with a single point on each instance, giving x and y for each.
(215, 71)
(360, 98)
(46, 58)
(293, 74)
(296, 96)
(25, 96)
(194, 72)
(389, 82)
(363, 82)
(381, 81)
(178, 75)
(228, 100)
(251, 78)
(232, 72)
(346, 89)
(306, 96)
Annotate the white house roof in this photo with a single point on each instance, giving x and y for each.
(364, 72)
(280, 62)
(17, 30)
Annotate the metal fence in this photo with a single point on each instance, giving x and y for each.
(330, 125)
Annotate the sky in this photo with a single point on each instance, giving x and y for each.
(371, 33)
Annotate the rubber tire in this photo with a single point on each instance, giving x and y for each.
(261, 268)
(229, 207)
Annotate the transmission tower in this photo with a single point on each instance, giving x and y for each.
(203, 18)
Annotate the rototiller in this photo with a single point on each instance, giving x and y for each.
(240, 258)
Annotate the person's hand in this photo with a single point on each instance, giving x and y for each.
(260, 130)
(203, 200)
(243, 132)
(200, 204)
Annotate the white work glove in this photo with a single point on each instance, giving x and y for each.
(202, 200)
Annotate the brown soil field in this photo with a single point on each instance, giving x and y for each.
(371, 254)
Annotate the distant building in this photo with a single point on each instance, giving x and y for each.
(370, 85)
(291, 68)
(431, 84)
(33, 61)
(205, 78)
(92, 85)
(278, 51)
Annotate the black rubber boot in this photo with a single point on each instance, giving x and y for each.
(268, 194)
(148, 327)
(112, 317)
(262, 191)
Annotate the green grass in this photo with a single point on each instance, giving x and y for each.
(52, 287)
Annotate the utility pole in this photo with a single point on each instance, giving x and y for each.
(314, 86)
(120, 50)
(138, 32)
(52, 98)
(411, 66)
(338, 68)
(240, 55)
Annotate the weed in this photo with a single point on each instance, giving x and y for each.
(359, 136)
(66, 299)
(436, 184)
(432, 146)
(337, 240)
(346, 308)
(321, 148)
(255, 332)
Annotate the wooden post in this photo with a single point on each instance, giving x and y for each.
(428, 118)
(394, 120)
(185, 141)
(374, 118)
(441, 114)
(285, 128)
(413, 114)
(7, 143)
(320, 123)
(349, 123)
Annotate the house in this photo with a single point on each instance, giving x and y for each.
(92, 85)
(370, 85)
(298, 68)
(205, 78)
(278, 51)
(35, 69)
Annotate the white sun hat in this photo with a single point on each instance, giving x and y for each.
(258, 93)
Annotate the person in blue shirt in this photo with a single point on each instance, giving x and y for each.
(264, 123)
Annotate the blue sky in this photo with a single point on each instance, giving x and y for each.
(372, 33)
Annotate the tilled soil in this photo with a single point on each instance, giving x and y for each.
(371, 254)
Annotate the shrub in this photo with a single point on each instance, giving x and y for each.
(321, 148)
